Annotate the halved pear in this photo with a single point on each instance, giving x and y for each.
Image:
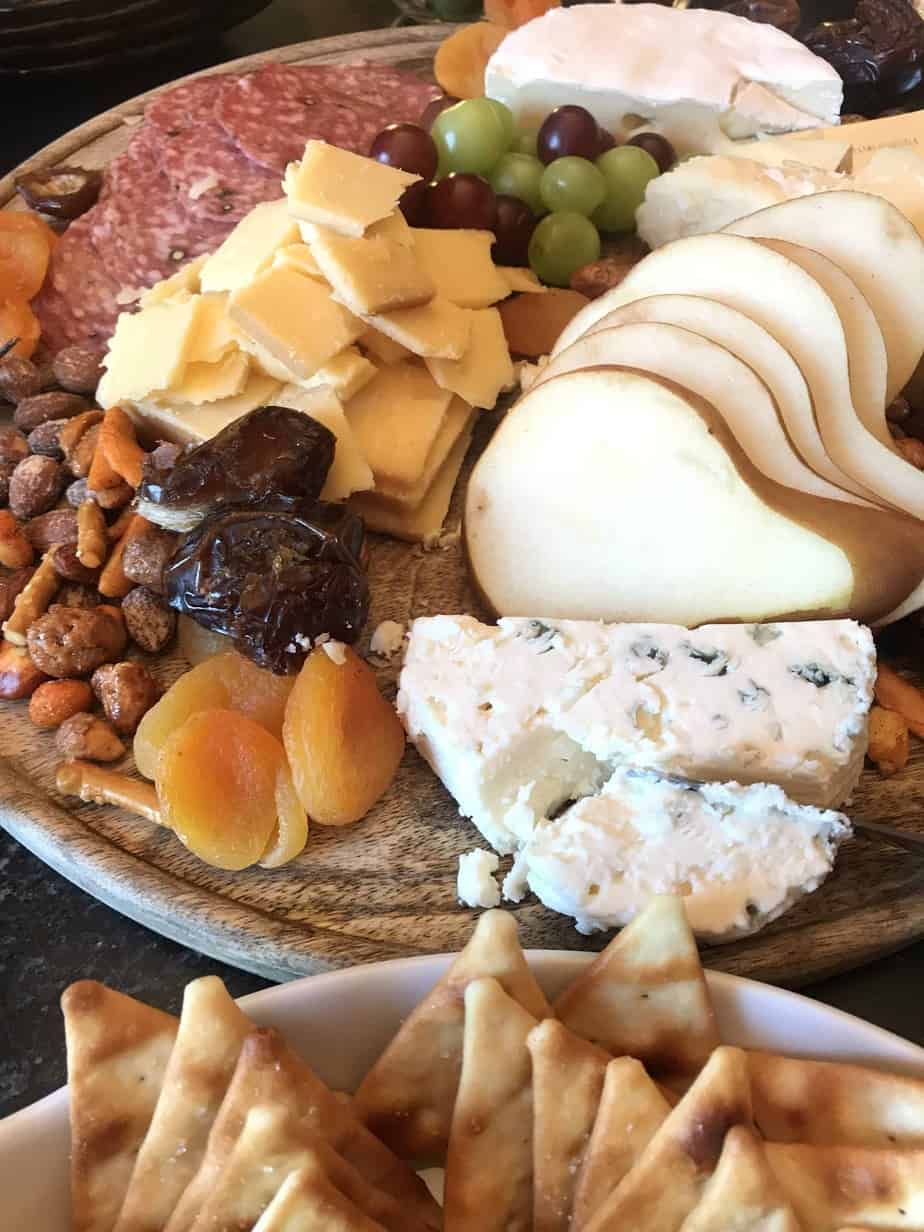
(761, 352)
(614, 495)
(867, 362)
(876, 246)
(709, 371)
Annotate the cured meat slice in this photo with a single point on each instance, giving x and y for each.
(78, 301)
(271, 113)
(214, 180)
(183, 104)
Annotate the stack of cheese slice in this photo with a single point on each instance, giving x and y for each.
(326, 301)
(708, 440)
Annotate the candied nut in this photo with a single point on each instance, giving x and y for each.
(32, 601)
(13, 445)
(55, 404)
(15, 549)
(147, 556)
(48, 530)
(89, 738)
(19, 379)
(92, 541)
(127, 691)
(67, 565)
(77, 492)
(35, 486)
(70, 641)
(11, 585)
(113, 583)
(150, 623)
(888, 740)
(75, 594)
(57, 700)
(45, 439)
(19, 677)
(6, 474)
(912, 450)
(78, 369)
(118, 441)
(116, 497)
(598, 277)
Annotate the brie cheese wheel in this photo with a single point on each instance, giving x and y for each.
(704, 79)
(521, 717)
(740, 856)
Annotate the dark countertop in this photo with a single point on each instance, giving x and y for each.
(51, 933)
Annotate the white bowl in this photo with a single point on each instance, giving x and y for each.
(341, 1021)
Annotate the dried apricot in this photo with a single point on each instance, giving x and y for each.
(291, 834)
(221, 779)
(196, 644)
(17, 320)
(343, 740)
(227, 681)
(532, 323)
(25, 221)
(513, 13)
(461, 59)
(23, 262)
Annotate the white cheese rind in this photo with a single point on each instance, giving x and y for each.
(740, 856)
(702, 78)
(519, 718)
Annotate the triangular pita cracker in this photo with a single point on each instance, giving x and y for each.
(269, 1073)
(212, 1031)
(632, 1110)
(742, 1195)
(272, 1145)
(408, 1095)
(667, 1182)
(117, 1052)
(489, 1165)
(832, 1103)
(567, 1081)
(308, 1202)
(833, 1186)
(646, 995)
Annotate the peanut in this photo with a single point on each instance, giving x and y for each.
(57, 700)
(30, 412)
(77, 369)
(35, 486)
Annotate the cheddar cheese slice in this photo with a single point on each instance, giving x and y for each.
(485, 369)
(520, 280)
(457, 420)
(372, 273)
(346, 374)
(341, 190)
(436, 329)
(250, 247)
(299, 257)
(185, 279)
(190, 425)
(209, 382)
(459, 262)
(149, 350)
(383, 348)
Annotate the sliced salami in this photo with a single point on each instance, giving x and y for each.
(186, 103)
(214, 180)
(78, 300)
(271, 113)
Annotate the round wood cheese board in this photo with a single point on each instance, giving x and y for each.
(386, 887)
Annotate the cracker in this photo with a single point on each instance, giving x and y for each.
(407, 1097)
(117, 1054)
(308, 1202)
(489, 1163)
(743, 1194)
(645, 996)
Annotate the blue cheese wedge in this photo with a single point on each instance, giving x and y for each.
(520, 718)
(740, 856)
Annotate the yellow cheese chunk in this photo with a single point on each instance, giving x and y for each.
(300, 258)
(216, 333)
(149, 350)
(460, 264)
(423, 524)
(397, 418)
(295, 319)
(346, 374)
(485, 369)
(185, 279)
(520, 280)
(435, 329)
(350, 471)
(250, 247)
(382, 348)
(395, 228)
(341, 190)
(263, 360)
(209, 382)
(372, 273)
(190, 425)
(457, 420)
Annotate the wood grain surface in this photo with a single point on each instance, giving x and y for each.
(386, 887)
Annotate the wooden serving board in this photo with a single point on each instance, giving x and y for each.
(386, 888)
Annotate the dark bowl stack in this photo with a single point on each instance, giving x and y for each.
(53, 36)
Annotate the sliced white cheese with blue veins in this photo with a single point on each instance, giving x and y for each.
(520, 718)
(702, 78)
(739, 856)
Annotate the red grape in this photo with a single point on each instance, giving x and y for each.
(414, 204)
(433, 109)
(407, 147)
(607, 142)
(658, 147)
(568, 130)
(514, 224)
(462, 199)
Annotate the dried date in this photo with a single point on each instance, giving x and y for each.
(784, 14)
(877, 52)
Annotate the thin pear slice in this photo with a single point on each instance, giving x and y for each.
(876, 246)
(867, 361)
(649, 510)
(787, 301)
(760, 351)
(711, 372)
